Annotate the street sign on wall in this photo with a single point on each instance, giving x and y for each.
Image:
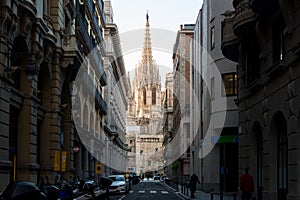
(98, 168)
(58, 162)
(63, 161)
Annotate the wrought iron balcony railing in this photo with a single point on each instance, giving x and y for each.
(101, 8)
(91, 7)
(99, 33)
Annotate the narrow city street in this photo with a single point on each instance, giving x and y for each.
(148, 190)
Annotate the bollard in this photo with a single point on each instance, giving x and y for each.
(211, 194)
(234, 196)
(221, 195)
(187, 190)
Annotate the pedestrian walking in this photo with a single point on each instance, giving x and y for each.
(246, 185)
(193, 183)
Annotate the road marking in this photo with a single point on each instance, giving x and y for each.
(122, 197)
(165, 192)
(141, 191)
(131, 191)
(153, 192)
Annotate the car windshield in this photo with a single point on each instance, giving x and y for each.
(120, 178)
(117, 178)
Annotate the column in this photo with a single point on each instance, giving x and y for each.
(5, 163)
(85, 163)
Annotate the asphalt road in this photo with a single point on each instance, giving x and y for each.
(148, 190)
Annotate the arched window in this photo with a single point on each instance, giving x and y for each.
(153, 96)
(144, 96)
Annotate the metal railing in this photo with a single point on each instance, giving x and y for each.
(179, 187)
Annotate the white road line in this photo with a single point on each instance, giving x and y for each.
(131, 191)
(122, 197)
(141, 191)
(153, 192)
(164, 192)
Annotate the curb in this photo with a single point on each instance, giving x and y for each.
(179, 194)
(183, 196)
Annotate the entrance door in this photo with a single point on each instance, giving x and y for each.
(282, 166)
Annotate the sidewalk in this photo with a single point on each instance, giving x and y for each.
(207, 196)
(200, 195)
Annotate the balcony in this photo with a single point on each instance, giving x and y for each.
(81, 30)
(100, 103)
(69, 8)
(103, 79)
(72, 54)
(230, 42)
(100, 6)
(99, 33)
(90, 7)
(244, 17)
(259, 6)
(98, 65)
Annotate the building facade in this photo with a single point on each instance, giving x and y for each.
(116, 93)
(181, 101)
(145, 111)
(168, 124)
(43, 45)
(263, 38)
(218, 169)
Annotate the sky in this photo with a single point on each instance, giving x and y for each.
(165, 17)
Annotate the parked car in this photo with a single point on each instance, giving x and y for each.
(119, 184)
(156, 177)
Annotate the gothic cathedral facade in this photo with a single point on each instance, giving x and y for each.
(145, 114)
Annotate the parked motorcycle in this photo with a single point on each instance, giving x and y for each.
(51, 191)
(21, 191)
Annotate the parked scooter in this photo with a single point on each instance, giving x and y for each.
(22, 190)
(51, 191)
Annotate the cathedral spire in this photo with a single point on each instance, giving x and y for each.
(147, 49)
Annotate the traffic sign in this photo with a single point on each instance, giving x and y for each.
(98, 168)
(76, 149)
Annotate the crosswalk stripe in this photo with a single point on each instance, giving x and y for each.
(151, 191)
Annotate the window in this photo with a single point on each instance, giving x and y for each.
(144, 96)
(212, 38)
(212, 88)
(251, 60)
(282, 165)
(278, 39)
(230, 84)
(153, 96)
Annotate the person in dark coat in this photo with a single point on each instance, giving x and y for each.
(193, 183)
(246, 185)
